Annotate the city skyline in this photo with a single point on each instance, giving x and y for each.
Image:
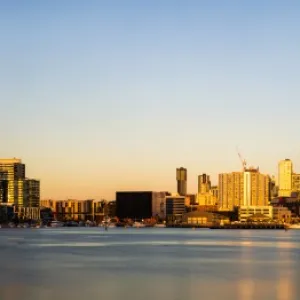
(100, 97)
(199, 178)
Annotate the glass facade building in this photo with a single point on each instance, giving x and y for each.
(15, 188)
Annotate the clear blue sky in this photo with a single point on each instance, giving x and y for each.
(98, 96)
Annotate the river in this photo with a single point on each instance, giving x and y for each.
(142, 264)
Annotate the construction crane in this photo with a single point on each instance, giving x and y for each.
(243, 161)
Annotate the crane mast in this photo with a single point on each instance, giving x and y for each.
(243, 161)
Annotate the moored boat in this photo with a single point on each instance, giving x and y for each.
(56, 224)
(160, 225)
(138, 225)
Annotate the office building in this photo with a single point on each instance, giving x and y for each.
(204, 184)
(159, 204)
(3, 188)
(32, 193)
(14, 171)
(175, 207)
(248, 188)
(17, 190)
(140, 204)
(181, 177)
(285, 171)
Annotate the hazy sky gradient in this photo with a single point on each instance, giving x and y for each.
(98, 96)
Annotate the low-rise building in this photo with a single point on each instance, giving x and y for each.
(199, 218)
(292, 203)
(247, 212)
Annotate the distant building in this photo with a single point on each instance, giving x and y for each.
(32, 193)
(17, 190)
(181, 177)
(175, 207)
(248, 188)
(262, 213)
(204, 184)
(199, 218)
(190, 199)
(159, 204)
(13, 171)
(76, 210)
(140, 204)
(295, 182)
(206, 196)
(273, 189)
(285, 171)
(282, 214)
(215, 191)
(293, 204)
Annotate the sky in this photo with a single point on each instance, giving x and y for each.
(100, 96)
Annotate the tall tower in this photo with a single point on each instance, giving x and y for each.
(285, 171)
(204, 184)
(181, 177)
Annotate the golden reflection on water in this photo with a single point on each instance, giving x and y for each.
(246, 289)
(284, 286)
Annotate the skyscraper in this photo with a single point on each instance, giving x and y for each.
(181, 177)
(249, 188)
(285, 171)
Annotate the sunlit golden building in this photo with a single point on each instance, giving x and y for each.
(285, 172)
(248, 188)
(181, 177)
(20, 191)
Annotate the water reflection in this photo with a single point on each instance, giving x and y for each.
(285, 285)
(151, 264)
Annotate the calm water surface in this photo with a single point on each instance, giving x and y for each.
(135, 264)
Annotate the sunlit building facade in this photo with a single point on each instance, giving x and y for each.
(285, 172)
(181, 177)
(204, 184)
(248, 188)
(295, 182)
(13, 171)
(18, 191)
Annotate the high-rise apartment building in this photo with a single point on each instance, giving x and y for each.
(285, 171)
(31, 193)
(181, 177)
(248, 188)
